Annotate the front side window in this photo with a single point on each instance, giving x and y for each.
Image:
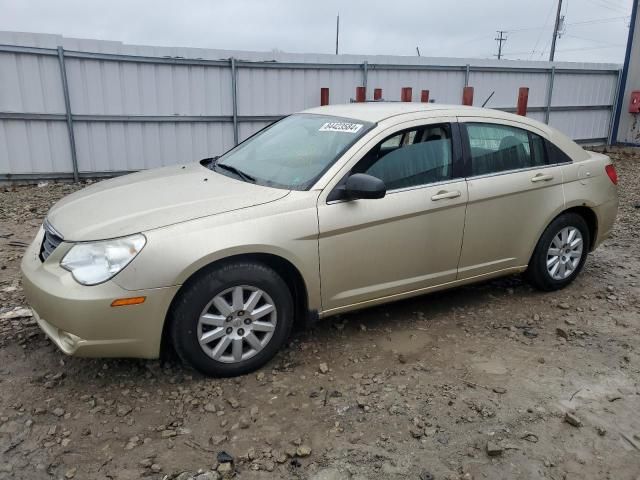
(498, 148)
(413, 157)
(293, 152)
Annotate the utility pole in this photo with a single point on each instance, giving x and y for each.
(552, 53)
(337, 32)
(501, 39)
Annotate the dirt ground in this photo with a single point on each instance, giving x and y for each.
(468, 384)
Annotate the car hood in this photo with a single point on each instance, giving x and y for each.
(151, 199)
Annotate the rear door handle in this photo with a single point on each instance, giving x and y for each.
(541, 177)
(444, 194)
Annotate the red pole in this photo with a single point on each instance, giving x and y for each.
(523, 99)
(467, 96)
(361, 94)
(324, 96)
(424, 96)
(377, 94)
(405, 94)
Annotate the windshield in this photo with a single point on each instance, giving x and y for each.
(293, 152)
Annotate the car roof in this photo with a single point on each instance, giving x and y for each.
(378, 111)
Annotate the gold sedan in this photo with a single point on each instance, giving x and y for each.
(326, 211)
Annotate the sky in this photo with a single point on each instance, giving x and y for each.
(594, 30)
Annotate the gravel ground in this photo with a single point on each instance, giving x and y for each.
(493, 381)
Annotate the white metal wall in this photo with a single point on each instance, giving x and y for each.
(135, 107)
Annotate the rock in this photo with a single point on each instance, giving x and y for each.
(233, 402)
(572, 420)
(58, 412)
(70, 473)
(564, 306)
(155, 467)
(323, 368)
(561, 332)
(260, 376)
(253, 413)
(402, 358)
(224, 457)
(601, 431)
(6, 468)
(218, 439)
(123, 410)
(168, 433)
(146, 463)
(494, 449)
(210, 407)
(303, 451)
(226, 469)
(184, 476)
(499, 390)
(330, 474)
(416, 432)
(16, 313)
(243, 422)
(208, 476)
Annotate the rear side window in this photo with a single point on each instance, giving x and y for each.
(499, 148)
(413, 157)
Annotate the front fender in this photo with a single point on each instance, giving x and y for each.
(287, 228)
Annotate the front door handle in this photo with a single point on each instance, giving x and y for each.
(444, 194)
(542, 177)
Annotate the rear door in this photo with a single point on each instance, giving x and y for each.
(513, 192)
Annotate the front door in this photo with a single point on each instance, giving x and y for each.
(410, 239)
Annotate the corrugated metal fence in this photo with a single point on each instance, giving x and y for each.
(72, 108)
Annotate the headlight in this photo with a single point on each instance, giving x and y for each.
(96, 262)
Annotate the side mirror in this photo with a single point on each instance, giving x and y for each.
(361, 185)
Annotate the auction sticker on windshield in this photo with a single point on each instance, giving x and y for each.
(340, 127)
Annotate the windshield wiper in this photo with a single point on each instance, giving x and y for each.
(232, 169)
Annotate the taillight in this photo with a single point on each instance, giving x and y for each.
(613, 175)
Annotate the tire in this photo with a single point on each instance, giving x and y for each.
(538, 274)
(209, 303)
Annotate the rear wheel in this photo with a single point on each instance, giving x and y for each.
(560, 253)
(232, 320)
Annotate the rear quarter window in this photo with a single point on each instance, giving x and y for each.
(555, 154)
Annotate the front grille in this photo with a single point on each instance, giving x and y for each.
(50, 241)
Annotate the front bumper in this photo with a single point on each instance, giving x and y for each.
(80, 319)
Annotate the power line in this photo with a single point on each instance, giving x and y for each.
(501, 39)
(585, 22)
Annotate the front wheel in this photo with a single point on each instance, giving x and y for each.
(232, 320)
(560, 253)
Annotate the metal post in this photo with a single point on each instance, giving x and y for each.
(523, 99)
(547, 113)
(69, 117)
(365, 73)
(616, 94)
(467, 71)
(467, 96)
(234, 99)
(324, 96)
